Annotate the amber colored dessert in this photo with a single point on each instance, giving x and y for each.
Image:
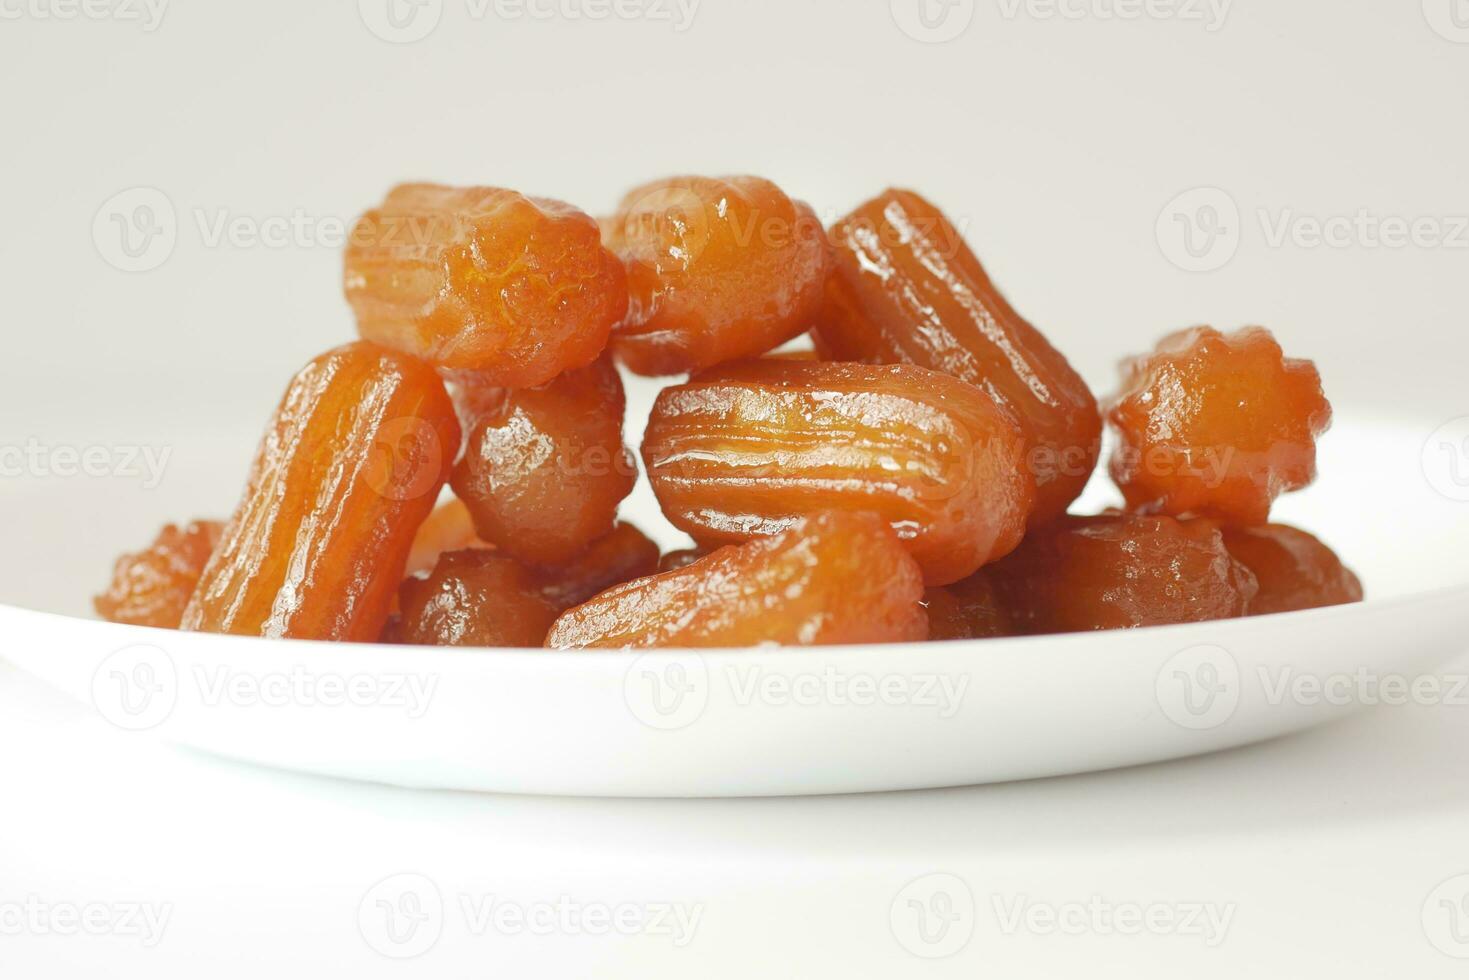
(351, 466)
(906, 289)
(545, 468)
(755, 446)
(476, 599)
(1217, 425)
(675, 560)
(1120, 571)
(482, 279)
(717, 268)
(967, 610)
(833, 579)
(621, 556)
(448, 528)
(151, 587)
(1295, 570)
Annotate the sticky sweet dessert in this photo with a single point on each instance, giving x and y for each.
(151, 587)
(1217, 425)
(905, 288)
(483, 279)
(1295, 570)
(833, 579)
(717, 269)
(350, 468)
(475, 599)
(545, 468)
(753, 447)
(1120, 571)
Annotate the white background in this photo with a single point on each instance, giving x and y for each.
(1057, 141)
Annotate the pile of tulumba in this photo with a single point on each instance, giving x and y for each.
(908, 479)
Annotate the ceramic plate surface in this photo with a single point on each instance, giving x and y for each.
(749, 722)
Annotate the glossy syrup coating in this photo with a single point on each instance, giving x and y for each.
(482, 279)
(1120, 572)
(1217, 425)
(1295, 570)
(967, 610)
(906, 289)
(750, 448)
(151, 587)
(619, 557)
(718, 269)
(836, 578)
(475, 599)
(675, 560)
(349, 469)
(545, 468)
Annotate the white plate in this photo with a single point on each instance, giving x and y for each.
(753, 722)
